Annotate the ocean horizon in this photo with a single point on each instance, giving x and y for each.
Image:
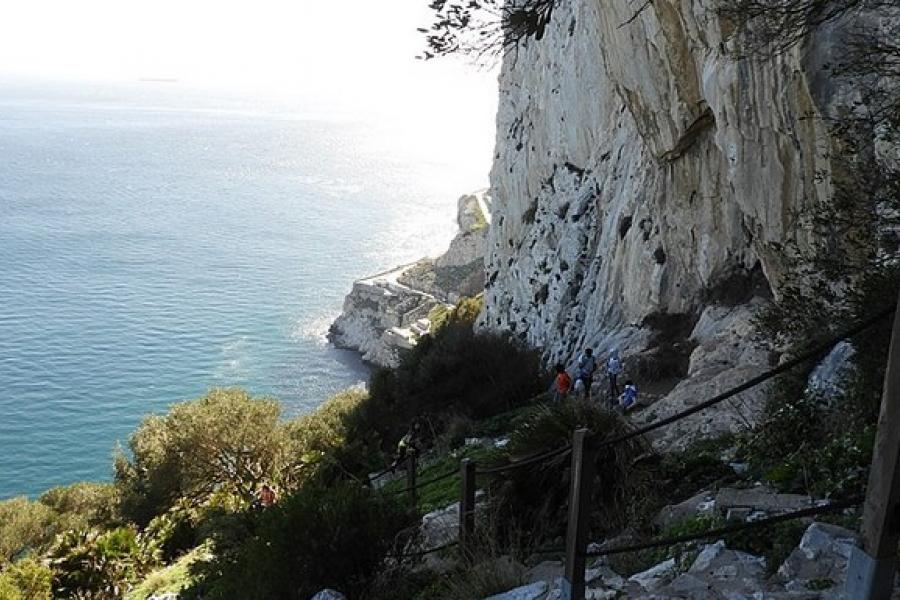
(157, 242)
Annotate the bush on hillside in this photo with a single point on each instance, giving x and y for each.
(25, 527)
(321, 437)
(84, 504)
(453, 372)
(26, 579)
(225, 444)
(89, 564)
(319, 537)
(524, 498)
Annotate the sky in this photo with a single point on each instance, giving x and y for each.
(345, 54)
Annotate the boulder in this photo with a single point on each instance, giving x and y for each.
(701, 504)
(655, 577)
(723, 358)
(759, 499)
(822, 555)
(827, 378)
(329, 595)
(440, 526)
(533, 591)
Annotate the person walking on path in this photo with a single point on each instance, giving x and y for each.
(407, 446)
(562, 384)
(587, 364)
(628, 399)
(613, 369)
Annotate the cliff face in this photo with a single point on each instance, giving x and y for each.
(386, 313)
(639, 168)
(645, 181)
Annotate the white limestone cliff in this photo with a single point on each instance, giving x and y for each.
(385, 314)
(644, 177)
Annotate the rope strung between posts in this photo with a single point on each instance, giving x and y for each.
(427, 552)
(527, 461)
(421, 484)
(380, 474)
(750, 383)
(761, 523)
(817, 351)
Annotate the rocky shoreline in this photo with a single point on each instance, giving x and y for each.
(385, 314)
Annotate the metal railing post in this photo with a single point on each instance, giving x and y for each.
(411, 479)
(583, 459)
(466, 505)
(870, 573)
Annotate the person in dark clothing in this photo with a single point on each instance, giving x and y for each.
(587, 364)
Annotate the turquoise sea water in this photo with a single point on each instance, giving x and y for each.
(155, 243)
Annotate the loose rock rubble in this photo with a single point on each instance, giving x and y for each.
(815, 569)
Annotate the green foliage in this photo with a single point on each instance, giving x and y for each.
(25, 527)
(8, 589)
(481, 578)
(535, 498)
(26, 579)
(774, 543)
(684, 554)
(84, 504)
(224, 445)
(320, 437)
(807, 445)
(174, 578)
(319, 537)
(89, 564)
(175, 531)
(450, 373)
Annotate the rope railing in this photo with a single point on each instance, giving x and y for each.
(422, 484)
(812, 354)
(589, 445)
(420, 553)
(527, 461)
(729, 529)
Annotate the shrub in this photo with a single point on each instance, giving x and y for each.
(321, 437)
(8, 589)
(453, 372)
(523, 498)
(27, 579)
(25, 527)
(104, 565)
(319, 537)
(84, 504)
(224, 444)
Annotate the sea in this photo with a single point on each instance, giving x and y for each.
(156, 242)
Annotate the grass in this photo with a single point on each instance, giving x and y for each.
(445, 492)
(173, 578)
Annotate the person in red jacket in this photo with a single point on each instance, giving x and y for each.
(562, 385)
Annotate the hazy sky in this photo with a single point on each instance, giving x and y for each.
(347, 53)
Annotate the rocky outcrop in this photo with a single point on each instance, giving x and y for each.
(385, 314)
(643, 175)
(815, 569)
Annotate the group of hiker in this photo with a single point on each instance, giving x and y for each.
(585, 372)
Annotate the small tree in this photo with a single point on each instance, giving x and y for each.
(25, 527)
(224, 445)
(27, 579)
(89, 564)
(484, 29)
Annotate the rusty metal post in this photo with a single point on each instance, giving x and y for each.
(466, 505)
(870, 573)
(583, 459)
(411, 479)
